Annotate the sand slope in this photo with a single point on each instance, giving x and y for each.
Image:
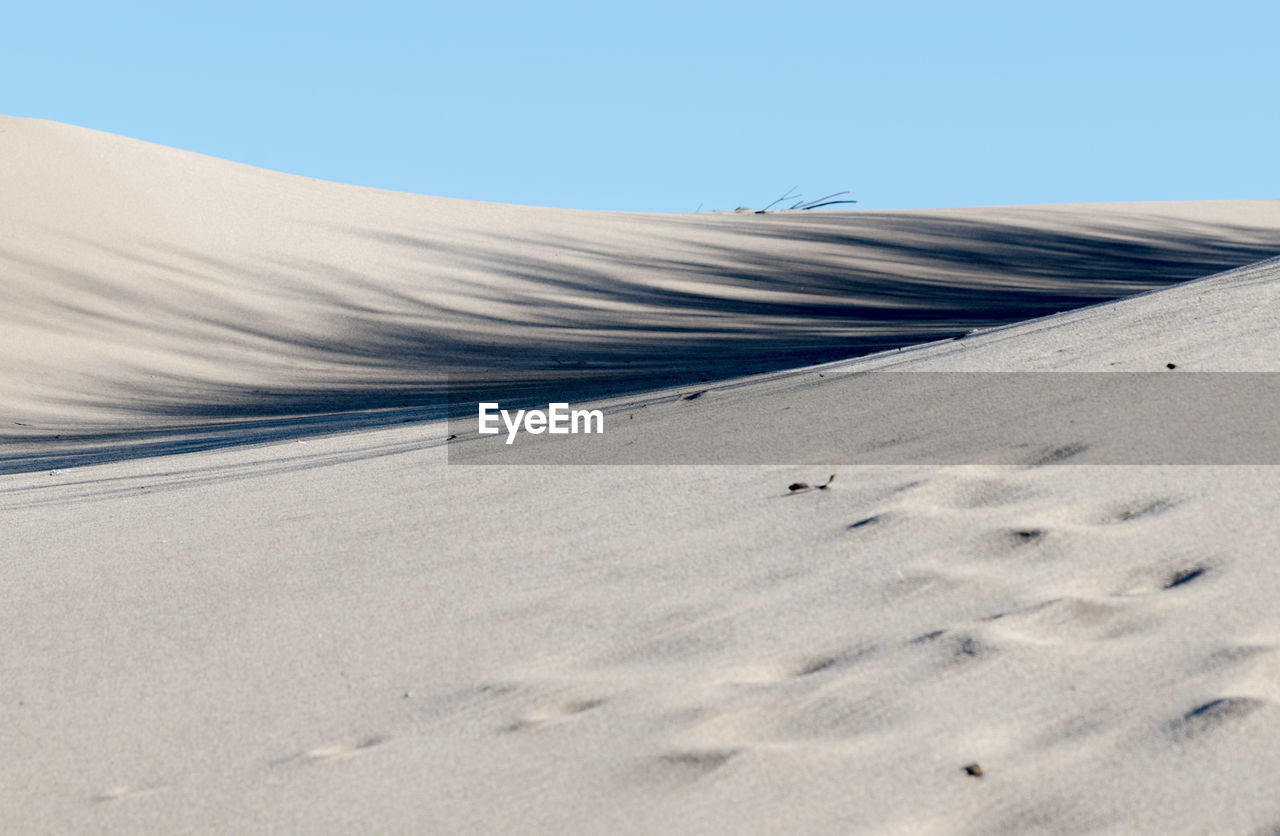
(349, 633)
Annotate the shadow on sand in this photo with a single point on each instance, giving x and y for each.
(571, 319)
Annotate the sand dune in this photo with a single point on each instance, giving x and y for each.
(332, 628)
(156, 300)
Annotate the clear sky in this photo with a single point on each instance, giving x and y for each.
(659, 106)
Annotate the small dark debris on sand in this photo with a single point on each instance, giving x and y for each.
(805, 486)
(1171, 365)
(973, 769)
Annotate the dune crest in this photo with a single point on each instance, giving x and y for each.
(156, 300)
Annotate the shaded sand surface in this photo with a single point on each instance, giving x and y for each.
(339, 631)
(158, 301)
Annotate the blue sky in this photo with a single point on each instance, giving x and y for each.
(667, 106)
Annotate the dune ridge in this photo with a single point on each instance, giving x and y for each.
(156, 300)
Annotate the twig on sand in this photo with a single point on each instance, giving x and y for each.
(805, 486)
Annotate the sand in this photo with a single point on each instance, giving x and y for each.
(247, 591)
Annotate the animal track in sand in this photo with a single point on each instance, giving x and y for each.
(1023, 536)
(481, 693)
(548, 716)
(1139, 510)
(959, 648)
(694, 763)
(775, 671)
(1212, 715)
(1021, 541)
(488, 700)
(679, 767)
(1030, 608)
(817, 665)
(1164, 578)
(1184, 576)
